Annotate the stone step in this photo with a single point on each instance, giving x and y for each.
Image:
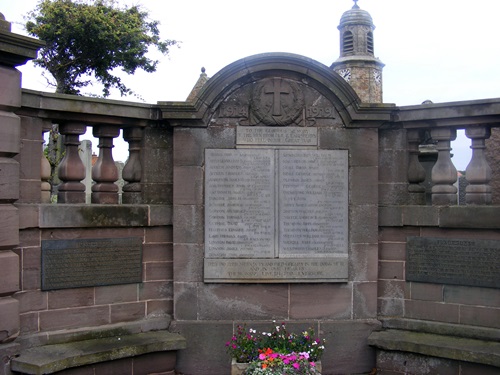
(48, 359)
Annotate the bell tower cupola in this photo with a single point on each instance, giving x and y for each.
(357, 63)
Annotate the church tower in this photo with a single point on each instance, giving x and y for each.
(357, 63)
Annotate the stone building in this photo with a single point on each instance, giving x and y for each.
(282, 190)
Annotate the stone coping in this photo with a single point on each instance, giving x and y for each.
(48, 359)
(95, 215)
(473, 217)
(442, 346)
(440, 328)
(28, 341)
(87, 109)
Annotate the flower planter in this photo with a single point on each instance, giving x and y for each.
(238, 368)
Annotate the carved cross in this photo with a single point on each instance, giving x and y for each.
(277, 91)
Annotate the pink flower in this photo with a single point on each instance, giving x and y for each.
(296, 366)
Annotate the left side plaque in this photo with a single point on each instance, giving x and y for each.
(239, 213)
(91, 262)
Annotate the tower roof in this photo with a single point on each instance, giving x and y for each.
(356, 16)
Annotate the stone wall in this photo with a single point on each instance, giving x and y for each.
(71, 309)
(466, 305)
(206, 313)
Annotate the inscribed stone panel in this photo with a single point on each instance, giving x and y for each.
(276, 270)
(91, 262)
(470, 262)
(313, 195)
(267, 205)
(239, 206)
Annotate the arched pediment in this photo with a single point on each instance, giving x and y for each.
(273, 89)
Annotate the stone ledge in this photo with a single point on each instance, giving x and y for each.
(477, 217)
(52, 358)
(102, 215)
(456, 348)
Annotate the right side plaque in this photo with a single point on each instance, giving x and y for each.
(312, 193)
(470, 262)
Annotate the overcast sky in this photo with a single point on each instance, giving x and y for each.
(442, 50)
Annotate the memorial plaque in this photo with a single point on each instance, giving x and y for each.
(276, 270)
(276, 205)
(469, 262)
(91, 262)
(239, 208)
(313, 203)
(278, 136)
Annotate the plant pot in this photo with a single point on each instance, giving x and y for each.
(238, 368)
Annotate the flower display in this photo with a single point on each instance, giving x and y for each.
(277, 351)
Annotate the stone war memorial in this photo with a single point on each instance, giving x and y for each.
(281, 190)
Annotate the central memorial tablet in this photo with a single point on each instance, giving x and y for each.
(276, 215)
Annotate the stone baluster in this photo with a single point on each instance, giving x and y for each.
(444, 173)
(71, 170)
(478, 172)
(45, 174)
(133, 169)
(416, 172)
(104, 171)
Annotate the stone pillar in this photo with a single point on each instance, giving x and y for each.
(493, 157)
(157, 173)
(14, 50)
(444, 173)
(104, 171)
(132, 171)
(478, 172)
(416, 172)
(71, 170)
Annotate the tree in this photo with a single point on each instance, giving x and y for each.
(88, 39)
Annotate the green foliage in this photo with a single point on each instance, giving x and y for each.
(86, 39)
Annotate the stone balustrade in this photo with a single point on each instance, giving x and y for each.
(108, 119)
(429, 127)
(444, 175)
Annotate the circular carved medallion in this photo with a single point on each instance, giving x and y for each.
(277, 101)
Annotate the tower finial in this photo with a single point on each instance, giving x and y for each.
(356, 6)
